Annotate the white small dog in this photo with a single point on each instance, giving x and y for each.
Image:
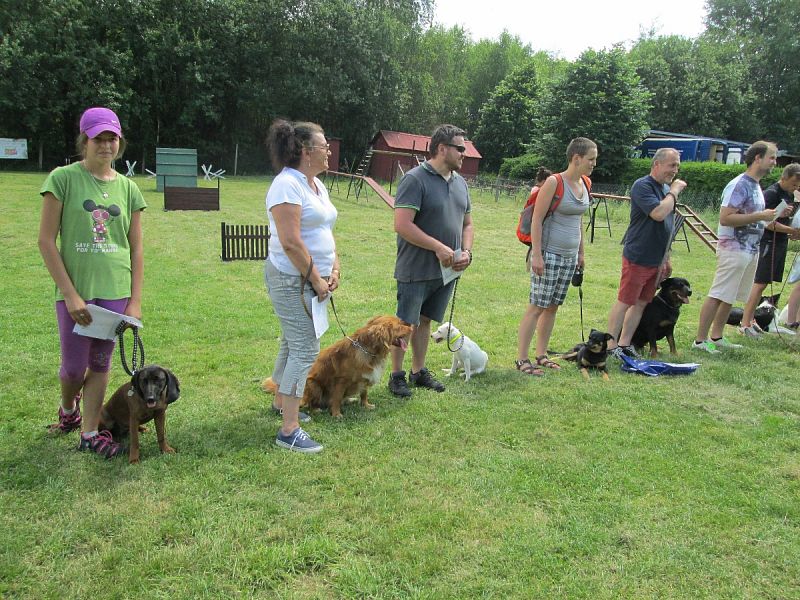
(467, 353)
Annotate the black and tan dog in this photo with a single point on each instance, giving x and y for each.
(144, 398)
(660, 316)
(592, 354)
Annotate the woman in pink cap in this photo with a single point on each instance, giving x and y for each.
(97, 214)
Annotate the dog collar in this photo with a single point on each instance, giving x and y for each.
(360, 346)
(455, 338)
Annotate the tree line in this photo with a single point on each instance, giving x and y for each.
(212, 75)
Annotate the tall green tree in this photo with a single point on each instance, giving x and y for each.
(438, 79)
(764, 33)
(696, 87)
(56, 58)
(600, 97)
(488, 63)
(507, 119)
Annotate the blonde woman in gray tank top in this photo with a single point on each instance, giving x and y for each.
(556, 252)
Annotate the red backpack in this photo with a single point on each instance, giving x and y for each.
(524, 225)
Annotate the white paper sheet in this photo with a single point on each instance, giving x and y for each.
(104, 323)
(319, 313)
(448, 273)
(779, 210)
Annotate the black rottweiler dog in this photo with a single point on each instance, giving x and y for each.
(659, 317)
(592, 354)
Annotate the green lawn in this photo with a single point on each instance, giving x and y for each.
(504, 487)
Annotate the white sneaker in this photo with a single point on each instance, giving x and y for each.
(724, 344)
(705, 346)
(749, 332)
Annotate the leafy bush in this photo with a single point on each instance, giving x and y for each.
(701, 177)
(521, 167)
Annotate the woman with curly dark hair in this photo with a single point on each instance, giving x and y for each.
(302, 264)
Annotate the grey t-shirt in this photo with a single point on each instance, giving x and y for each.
(561, 231)
(440, 206)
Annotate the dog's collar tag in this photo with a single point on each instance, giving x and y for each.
(131, 392)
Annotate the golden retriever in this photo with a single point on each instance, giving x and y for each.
(351, 366)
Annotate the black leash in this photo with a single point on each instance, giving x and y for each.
(353, 341)
(453, 308)
(138, 348)
(786, 343)
(450, 321)
(303, 281)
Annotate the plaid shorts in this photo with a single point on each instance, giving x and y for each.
(551, 287)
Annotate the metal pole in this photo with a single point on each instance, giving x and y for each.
(236, 160)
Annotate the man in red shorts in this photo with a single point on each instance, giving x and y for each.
(645, 259)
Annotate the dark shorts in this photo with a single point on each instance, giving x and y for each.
(771, 259)
(427, 298)
(636, 283)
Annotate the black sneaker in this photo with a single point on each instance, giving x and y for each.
(398, 385)
(631, 352)
(628, 351)
(426, 380)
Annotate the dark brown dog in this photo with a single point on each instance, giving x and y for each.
(592, 354)
(144, 398)
(353, 364)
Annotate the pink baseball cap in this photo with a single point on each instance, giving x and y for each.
(95, 121)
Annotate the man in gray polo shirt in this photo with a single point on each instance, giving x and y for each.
(432, 220)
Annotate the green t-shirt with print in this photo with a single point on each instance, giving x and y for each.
(95, 219)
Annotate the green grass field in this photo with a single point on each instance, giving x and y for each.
(503, 487)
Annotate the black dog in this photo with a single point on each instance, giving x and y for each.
(763, 314)
(592, 354)
(659, 317)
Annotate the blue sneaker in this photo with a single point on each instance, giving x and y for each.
(298, 441)
(301, 416)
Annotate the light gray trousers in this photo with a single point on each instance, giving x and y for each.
(299, 346)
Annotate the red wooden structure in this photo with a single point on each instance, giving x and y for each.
(403, 149)
(333, 159)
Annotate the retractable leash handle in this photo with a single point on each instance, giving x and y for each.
(577, 281)
(138, 348)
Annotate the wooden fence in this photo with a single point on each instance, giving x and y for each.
(191, 198)
(244, 242)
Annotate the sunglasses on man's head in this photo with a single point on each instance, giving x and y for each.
(458, 147)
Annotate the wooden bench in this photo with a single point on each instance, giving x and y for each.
(191, 198)
(244, 242)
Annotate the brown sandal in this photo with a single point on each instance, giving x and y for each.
(526, 366)
(545, 362)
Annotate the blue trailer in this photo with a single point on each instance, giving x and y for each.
(693, 148)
